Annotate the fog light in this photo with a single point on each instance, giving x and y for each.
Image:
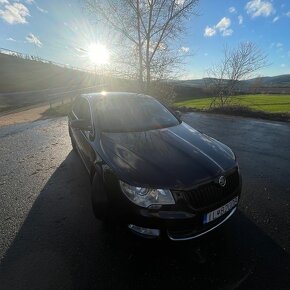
(144, 231)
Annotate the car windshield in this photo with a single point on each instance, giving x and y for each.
(132, 113)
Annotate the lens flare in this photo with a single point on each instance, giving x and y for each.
(98, 54)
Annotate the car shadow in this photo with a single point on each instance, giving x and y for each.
(61, 245)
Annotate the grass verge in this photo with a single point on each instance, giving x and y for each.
(271, 107)
(243, 111)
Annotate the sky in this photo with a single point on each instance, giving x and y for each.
(56, 30)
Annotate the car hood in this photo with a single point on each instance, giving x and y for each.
(175, 157)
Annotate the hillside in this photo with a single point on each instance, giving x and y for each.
(275, 81)
(25, 81)
(18, 75)
(280, 81)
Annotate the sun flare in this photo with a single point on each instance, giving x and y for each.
(98, 54)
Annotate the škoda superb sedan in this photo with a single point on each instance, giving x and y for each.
(149, 170)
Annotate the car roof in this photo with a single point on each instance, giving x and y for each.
(96, 96)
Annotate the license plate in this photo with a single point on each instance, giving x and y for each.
(220, 211)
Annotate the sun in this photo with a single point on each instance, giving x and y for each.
(98, 54)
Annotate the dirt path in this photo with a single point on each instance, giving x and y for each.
(29, 115)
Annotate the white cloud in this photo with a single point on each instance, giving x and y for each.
(283, 65)
(232, 9)
(14, 13)
(29, 1)
(4, 2)
(209, 31)
(10, 39)
(276, 19)
(241, 19)
(205, 54)
(259, 8)
(31, 38)
(223, 26)
(184, 49)
(288, 14)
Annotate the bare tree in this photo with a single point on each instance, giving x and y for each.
(237, 64)
(145, 33)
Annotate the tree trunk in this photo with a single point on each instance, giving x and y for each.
(148, 61)
(148, 77)
(140, 49)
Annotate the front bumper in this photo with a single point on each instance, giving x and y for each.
(181, 232)
(175, 222)
(193, 234)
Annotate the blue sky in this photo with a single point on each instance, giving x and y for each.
(53, 29)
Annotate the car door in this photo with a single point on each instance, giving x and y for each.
(85, 138)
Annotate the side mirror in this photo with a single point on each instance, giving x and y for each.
(81, 124)
(178, 114)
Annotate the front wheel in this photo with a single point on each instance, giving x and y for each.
(73, 143)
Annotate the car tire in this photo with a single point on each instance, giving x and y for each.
(73, 143)
(99, 199)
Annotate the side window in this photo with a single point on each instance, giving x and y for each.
(76, 106)
(82, 109)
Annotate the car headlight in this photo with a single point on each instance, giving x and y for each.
(146, 196)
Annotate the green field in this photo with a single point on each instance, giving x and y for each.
(266, 103)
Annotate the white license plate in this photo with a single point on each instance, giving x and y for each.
(220, 211)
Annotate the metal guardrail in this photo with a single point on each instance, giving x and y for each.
(61, 97)
(31, 99)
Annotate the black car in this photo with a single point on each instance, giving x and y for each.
(151, 171)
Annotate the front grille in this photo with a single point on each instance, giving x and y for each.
(211, 193)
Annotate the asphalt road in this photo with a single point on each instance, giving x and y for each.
(49, 238)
